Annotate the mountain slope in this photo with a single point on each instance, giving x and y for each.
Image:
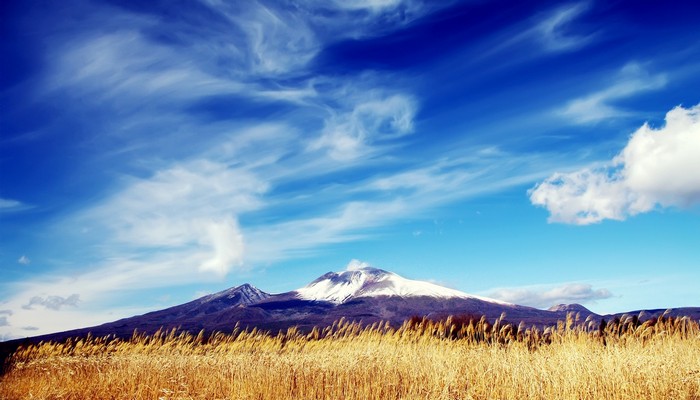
(570, 308)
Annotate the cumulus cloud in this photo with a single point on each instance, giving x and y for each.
(226, 242)
(657, 168)
(347, 136)
(53, 302)
(356, 264)
(545, 297)
(4, 322)
(24, 260)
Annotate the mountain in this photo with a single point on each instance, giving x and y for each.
(363, 294)
(243, 295)
(576, 308)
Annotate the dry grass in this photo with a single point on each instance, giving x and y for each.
(453, 359)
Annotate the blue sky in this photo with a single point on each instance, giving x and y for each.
(535, 152)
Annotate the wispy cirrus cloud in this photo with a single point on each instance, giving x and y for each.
(181, 225)
(350, 134)
(190, 206)
(550, 32)
(372, 5)
(177, 220)
(631, 80)
(553, 31)
(198, 197)
(10, 205)
(274, 40)
(655, 169)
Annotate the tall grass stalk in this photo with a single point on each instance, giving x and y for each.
(456, 358)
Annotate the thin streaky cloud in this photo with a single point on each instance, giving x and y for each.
(598, 106)
(11, 205)
(552, 31)
(547, 33)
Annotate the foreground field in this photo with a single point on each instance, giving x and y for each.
(420, 360)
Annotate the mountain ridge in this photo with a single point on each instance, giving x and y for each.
(366, 302)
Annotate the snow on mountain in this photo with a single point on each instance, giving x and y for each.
(245, 294)
(361, 280)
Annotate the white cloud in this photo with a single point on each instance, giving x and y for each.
(348, 135)
(598, 106)
(10, 205)
(24, 260)
(355, 265)
(294, 238)
(657, 168)
(367, 4)
(53, 302)
(361, 18)
(219, 211)
(549, 32)
(381, 200)
(547, 296)
(226, 242)
(280, 40)
(279, 43)
(429, 179)
(552, 30)
(177, 222)
(192, 205)
(126, 68)
(273, 40)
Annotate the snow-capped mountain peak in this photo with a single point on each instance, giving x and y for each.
(361, 280)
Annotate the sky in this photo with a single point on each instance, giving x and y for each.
(534, 152)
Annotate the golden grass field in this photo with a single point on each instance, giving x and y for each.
(450, 359)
